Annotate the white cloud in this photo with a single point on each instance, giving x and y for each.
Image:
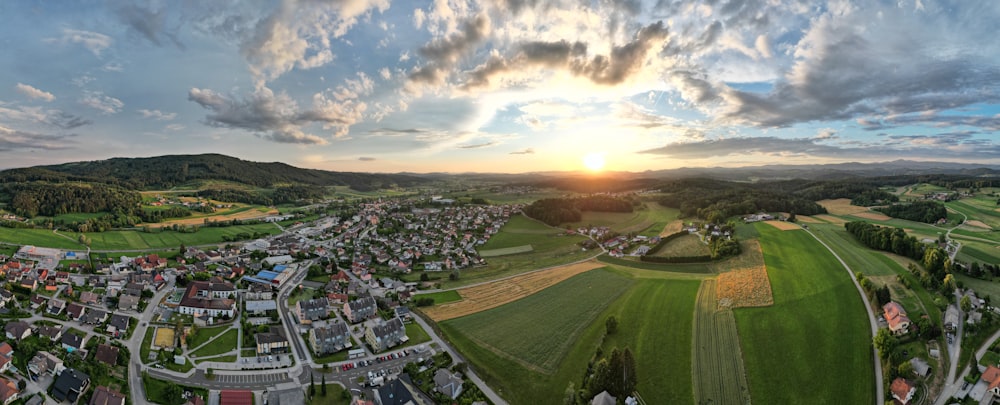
(157, 115)
(99, 101)
(93, 41)
(34, 93)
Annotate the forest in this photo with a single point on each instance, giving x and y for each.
(919, 211)
(556, 211)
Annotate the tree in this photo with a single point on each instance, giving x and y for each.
(569, 396)
(965, 303)
(611, 325)
(454, 275)
(905, 369)
(322, 387)
(948, 284)
(885, 342)
(312, 386)
(172, 392)
(210, 373)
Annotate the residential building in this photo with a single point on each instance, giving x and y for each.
(447, 383)
(992, 377)
(902, 390)
(8, 391)
(17, 330)
(45, 363)
(94, 317)
(128, 303)
(951, 317)
(330, 337)
(397, 392)
(260, 307)
(118, 325)
(604, 398)
(6, 356)
(386, 334)
(70, 384)
(360, 309)
(75, 311)
(89, 298)
(72, 342)
(53, 333)
(271, 342)
(106, 354)
(895, 316)
(208, 297)
(106, 396)
(312, 310)
(56, 306)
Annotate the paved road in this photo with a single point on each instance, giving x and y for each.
(879, 391)
(949, 391)
(135, 387)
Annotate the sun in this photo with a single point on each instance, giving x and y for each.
(594, 161)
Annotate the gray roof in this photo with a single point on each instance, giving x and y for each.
(261, 305)
(269, 337)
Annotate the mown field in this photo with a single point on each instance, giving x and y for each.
(654, 312)
(684, 246)
(128, 240)
(817, 329)
(40, 237)
(717, 369)
(442, 297)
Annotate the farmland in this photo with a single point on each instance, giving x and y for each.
(486, 296)
(442, 296)
(128, 240)
(717, 368)
(687, 245)
(650, 219)
(654, 316)
(506, 251)
(817, 319)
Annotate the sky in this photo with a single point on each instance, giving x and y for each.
(501, 85)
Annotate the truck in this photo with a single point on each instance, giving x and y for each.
(377, 381)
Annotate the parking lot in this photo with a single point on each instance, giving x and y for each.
(253, 378)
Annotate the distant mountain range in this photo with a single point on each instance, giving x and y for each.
(173, 170)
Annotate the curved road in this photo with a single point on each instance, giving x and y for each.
(879, 391)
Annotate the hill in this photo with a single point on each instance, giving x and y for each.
(162, 172)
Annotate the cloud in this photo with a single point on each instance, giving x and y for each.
(444, 52)
(93, 41)
(14, 140)
(298, 33)
(477, 145)
(99, 101)
(528, 151)
(947, 146)
(151, 25)
(174, 127)
(36, 115)
(366, 159)
(277, 117)
(65, 120)
(34, 93)
(156, 115)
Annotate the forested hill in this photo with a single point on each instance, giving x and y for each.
(172, 170)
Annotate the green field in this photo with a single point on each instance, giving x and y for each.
(220, 345)
(649, 219)
(817, 329)
(654, 317)
(40, 237)
(717, 369)
(506, 251)
(442, 297)
(416, 335)
(202, 335)
(128, 240)
(692, 268)
(684, 246)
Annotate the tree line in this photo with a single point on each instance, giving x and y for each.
(49, 199)
(555, 211)
(919, 211)
(935, 260)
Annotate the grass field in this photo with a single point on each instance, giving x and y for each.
(442, 297)
(690, 268)
(650, 219)
(817, 329)
(513, 250)
(717, 366)
(684, 246)
(654, 318)
(128, 240)
(202, 335)
(40, 237)
(222, 344)
(416, 335)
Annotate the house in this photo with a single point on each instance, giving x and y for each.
(5, 297)
(72, 342)
(604, 398)
(360, 309)
(128, 303)
(75, 311)
(37, 301)
(447, 383)
(951, 318)
(386, 334)
(208, 297)
(260, 307)
(118, 326)
(403, 313)
(992, 377)
(235, 397)
(54, 333)
(69, 385)
(895, 316)
(331, 337)
(89, 298)
(312, 310)
(8, 391)
(45, 363)
(6, 356)
(56, 306)
(106, 396)
(396, 392)
(902, 390)
(94, 317)
(17, 330)
(106, 354)
(271, 342)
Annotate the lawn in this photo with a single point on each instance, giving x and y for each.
(858, 257)
(416, 334)
(684, 246)
(156, 391)
(817, 329)
(128, 240)
(220, 359)
(334, 395)
(40, 237)
(202, 335)
(441, 297)
(222, 344)
(146, 342)
(654, 317)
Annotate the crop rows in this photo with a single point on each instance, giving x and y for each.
(717, 368)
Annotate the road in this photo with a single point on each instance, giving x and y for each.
(950, 389)
(135, 387)
(951, 384)
(879, 390)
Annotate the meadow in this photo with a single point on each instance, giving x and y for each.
(648, 219)
(442, 296)
(129, 240)
(717, 369)
(817, 329)
(684, 246)
(654, 313)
